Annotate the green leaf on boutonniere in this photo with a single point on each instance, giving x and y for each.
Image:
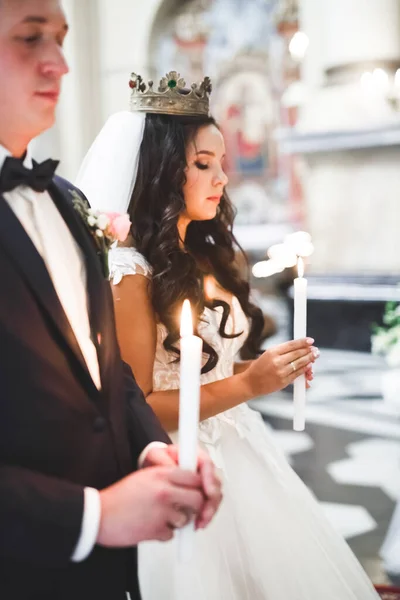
(90, 220)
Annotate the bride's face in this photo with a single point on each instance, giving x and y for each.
(205, 177)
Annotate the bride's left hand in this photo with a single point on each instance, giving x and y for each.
(240, 367)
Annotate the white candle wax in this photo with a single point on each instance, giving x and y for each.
(189, 410)
(300, 329)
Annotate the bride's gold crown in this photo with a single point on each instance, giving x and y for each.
(172, 96)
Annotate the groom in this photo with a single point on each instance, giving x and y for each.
(73, 424)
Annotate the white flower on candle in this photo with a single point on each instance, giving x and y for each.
(299, 243)
(285, 255)
(266, 268)
(282, 255)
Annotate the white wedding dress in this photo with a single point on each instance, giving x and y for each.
(270, 539)
(390, 551)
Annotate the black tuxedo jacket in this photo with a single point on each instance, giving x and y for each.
(58, 433)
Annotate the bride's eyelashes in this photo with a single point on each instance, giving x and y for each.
(200, 165)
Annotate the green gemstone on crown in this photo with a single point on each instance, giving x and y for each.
(171, 83)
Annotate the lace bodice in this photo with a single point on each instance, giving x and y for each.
(128, 261)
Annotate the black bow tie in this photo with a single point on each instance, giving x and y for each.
(14, 174)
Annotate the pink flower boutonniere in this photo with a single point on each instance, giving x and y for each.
(105, 228)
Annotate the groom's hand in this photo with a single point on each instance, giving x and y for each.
(211, 484)
(148, 505)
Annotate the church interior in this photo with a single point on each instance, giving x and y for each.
(307, 95)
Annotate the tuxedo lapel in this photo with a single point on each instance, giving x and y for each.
(60, 192)
(22, 252)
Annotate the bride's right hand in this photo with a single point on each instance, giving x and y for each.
(279, 366)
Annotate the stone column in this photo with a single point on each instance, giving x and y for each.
(359, 31)
(346, 39)
(352, 194)
(125, 30)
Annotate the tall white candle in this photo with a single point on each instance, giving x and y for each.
(189, 410)
(300, 329)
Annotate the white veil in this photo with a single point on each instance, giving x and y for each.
(108, 172)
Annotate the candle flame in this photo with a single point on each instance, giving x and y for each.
(186, 319)
(300, 267)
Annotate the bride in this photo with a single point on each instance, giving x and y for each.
(163, 161)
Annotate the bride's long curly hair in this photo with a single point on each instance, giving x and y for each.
(209, 247)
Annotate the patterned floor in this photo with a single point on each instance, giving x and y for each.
(349, 454)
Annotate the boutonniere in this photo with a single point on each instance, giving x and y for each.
(106, 229)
